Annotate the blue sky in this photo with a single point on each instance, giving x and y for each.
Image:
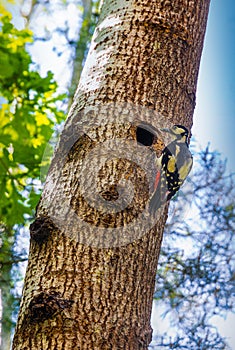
(214, 118)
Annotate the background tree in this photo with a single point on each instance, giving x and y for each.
(42, 305)
(74, 36)
(195, 279)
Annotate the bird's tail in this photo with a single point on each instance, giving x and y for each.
(156, 201)
(159, 197)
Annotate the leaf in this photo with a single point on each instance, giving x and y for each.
(28, 113)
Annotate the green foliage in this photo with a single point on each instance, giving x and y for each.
(28, 114)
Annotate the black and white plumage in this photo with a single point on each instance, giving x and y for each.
(176, 163)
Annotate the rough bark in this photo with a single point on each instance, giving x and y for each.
(7, 300)
(6, 307)
(94, 249)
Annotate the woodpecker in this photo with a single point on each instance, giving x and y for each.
(175, 164)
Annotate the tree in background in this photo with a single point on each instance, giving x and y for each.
(74, 35)
(82, 295)
(195, 279)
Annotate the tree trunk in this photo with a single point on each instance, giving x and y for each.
(6, 307)
(94, 248)
(81, 46)
(6, 282)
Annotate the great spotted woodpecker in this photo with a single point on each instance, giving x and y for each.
(175, 164)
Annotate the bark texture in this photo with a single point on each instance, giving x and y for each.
(6, 304)
(94, 250)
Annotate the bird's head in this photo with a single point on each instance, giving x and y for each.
(178, 132)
